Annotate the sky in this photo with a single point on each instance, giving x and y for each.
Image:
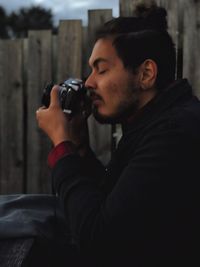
(64, 9)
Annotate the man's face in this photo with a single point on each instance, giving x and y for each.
(114, 90)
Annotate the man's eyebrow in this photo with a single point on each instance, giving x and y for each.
(99, 60)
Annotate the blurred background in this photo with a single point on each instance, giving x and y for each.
(18, 15)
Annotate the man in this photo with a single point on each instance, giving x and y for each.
(143, 209)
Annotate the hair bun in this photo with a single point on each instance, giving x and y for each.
(154, 17)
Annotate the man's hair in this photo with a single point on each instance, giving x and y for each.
(142, 37)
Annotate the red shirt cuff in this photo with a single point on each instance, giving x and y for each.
(63, 149)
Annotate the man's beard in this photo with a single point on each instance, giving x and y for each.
(125, 109)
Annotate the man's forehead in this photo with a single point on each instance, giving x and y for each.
(103, 51)
(96, 61)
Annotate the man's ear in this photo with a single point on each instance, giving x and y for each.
(148, 74)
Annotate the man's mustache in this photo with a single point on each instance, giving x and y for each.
(95, 96)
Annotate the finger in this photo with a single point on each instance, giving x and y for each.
(37, 113)
(41, 108)
(55, 96)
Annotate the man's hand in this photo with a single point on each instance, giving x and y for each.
(52, 120)
(59, 126)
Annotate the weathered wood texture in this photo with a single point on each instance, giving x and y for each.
(11, 117)
(39, 66)
(191, 43)
(69, 52)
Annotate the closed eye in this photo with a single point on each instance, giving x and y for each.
(102, 71)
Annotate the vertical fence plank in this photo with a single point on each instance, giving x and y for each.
(191, 52)
(85, 52)
(11, 117)
(100, 135)
(39, 68)
(97, 17)
(69, 54)
(54, 57)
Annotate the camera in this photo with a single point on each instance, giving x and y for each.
(72, 96)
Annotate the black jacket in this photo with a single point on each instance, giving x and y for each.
(143, 210)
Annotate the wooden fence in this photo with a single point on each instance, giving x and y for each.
(26, 65)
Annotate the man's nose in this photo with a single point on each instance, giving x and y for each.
(90, 83)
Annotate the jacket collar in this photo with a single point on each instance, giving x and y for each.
(174, 93)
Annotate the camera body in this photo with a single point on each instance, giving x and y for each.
(72, 95)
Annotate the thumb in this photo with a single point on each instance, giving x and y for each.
(55, 96)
